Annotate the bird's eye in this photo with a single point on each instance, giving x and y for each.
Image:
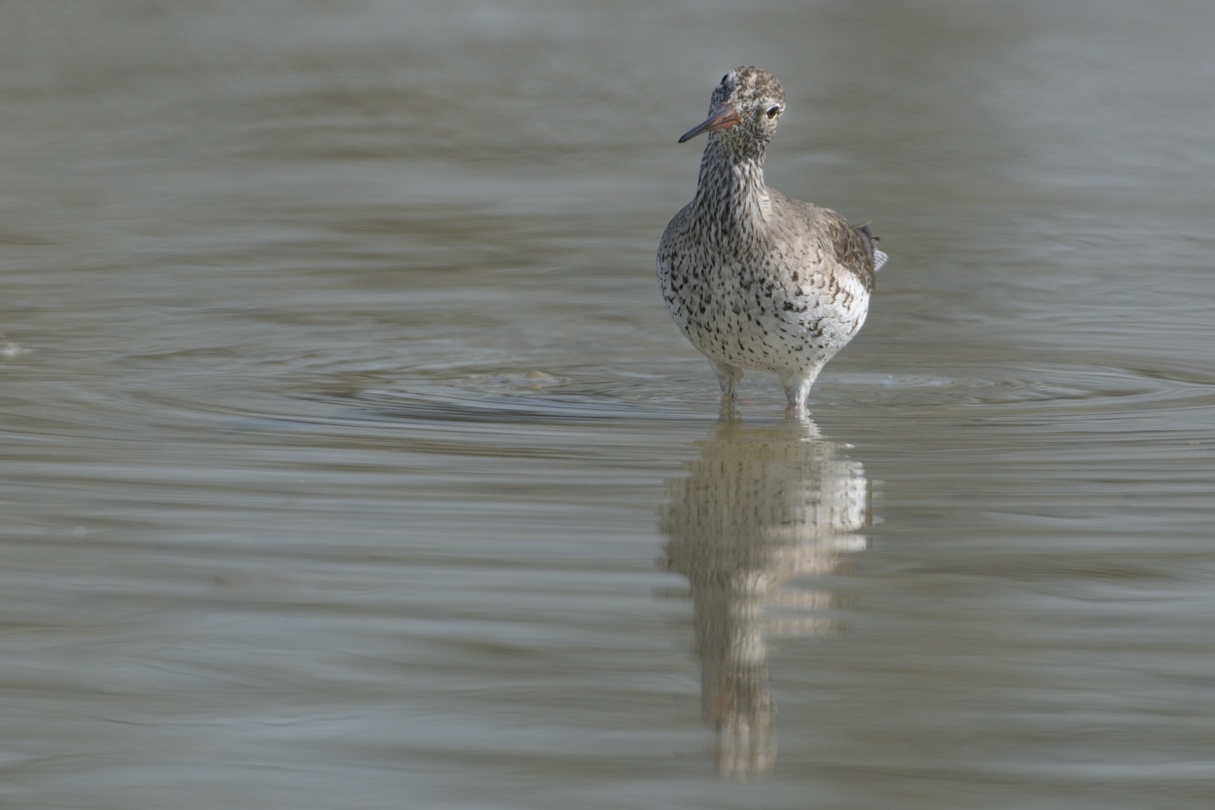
(773, 112)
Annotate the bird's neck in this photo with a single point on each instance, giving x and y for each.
(731, 196)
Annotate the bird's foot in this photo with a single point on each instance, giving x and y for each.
(798, 412)
(727, 377)
(729, 409)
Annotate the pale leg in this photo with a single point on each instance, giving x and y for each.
(797, 390)
(728, 376)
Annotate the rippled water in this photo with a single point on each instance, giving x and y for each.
(350, 458)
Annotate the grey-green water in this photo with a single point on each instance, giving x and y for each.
(350, 459)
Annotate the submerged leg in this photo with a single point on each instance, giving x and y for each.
(797, 390)
(728, 376)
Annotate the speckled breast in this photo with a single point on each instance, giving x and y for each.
(759, 317)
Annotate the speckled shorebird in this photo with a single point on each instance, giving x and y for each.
(753, 278)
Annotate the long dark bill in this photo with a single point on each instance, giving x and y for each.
(724, 118)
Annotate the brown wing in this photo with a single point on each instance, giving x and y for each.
(853, 246)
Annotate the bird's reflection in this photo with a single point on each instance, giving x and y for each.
(762, 509)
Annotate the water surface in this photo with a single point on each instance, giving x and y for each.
(350, 459)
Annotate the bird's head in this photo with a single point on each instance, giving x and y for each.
(744, 110)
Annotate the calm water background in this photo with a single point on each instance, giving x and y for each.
(350, 458)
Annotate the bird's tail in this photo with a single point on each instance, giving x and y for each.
(879, 258)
